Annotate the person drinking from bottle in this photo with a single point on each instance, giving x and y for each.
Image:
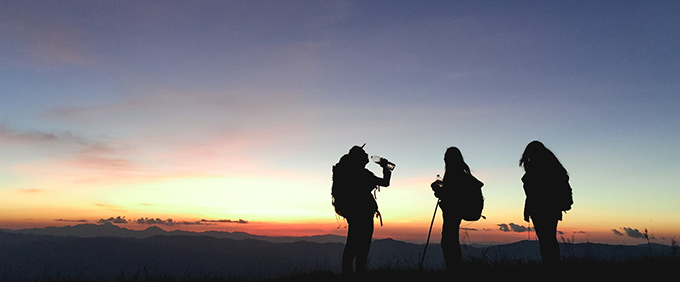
(352, 198)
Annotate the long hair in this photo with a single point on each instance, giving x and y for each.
(537, 157)
(454, 163)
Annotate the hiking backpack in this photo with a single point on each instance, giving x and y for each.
(348, 196)
(473, 203)
(566, 198)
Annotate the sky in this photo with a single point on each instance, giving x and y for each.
(229, 115)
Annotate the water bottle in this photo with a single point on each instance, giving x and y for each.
(378, 159)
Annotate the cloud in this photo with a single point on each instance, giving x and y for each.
(513, 228)
(171, 222)
(634, 233)
(156, 221)
(118, 220)
(104, 158)
(630, 232)
(45, 42)
(29, 190)
(225, 221)
(63, 154)
(111, 207)
(167, 222)
(11, 136)
(71, 220)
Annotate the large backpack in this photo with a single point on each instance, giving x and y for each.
(472, 202)
(340, 198)
(350, 197)
(565, 196)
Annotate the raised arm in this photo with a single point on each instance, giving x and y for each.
(385, 180)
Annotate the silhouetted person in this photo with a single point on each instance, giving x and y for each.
(352, 198)
(453, 192)
(548, 193)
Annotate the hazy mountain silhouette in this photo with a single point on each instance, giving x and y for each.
(31, 257)
(25, 256)
(111, 230)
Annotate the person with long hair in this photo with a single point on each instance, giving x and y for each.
(452, 194)
(548, 193)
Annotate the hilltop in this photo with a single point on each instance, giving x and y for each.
(89, 230)
(189, 257)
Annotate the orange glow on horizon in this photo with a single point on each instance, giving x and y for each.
(409, 232)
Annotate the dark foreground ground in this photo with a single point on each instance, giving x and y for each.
(647, 270)
(36, 258)
(569, 271)
(639, 270)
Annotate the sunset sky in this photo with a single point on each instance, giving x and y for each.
(233, 110)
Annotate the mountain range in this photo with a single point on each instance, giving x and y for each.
(108, 252)
(112, 230)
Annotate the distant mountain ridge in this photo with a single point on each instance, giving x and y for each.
(89, 230)
(26, 256)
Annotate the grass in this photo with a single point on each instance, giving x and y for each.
(655, 266)
(649, 270)
(661, 269)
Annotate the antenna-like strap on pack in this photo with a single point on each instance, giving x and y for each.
(378, 215)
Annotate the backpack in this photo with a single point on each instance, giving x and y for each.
(339, 196)
(348, 195)
(473, 201)
(565, 196)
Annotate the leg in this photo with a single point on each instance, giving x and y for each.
(349, 253)
(546, 229)
(451, 241)
(359, 236)
(364, 243)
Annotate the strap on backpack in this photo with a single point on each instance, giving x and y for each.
(378, 215)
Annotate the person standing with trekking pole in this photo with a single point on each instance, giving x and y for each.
(459, 196)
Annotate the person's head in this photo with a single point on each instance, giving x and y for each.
(537, 156)
(453, 159)
(357, 156)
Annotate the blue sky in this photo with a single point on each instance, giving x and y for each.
(128, 108)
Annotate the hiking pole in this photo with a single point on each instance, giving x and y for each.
(428, 235)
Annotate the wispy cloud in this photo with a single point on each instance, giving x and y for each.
(117, 220)
(109, 207)
(167, 222)
(630, 232)
(155, 221)
(224, 220)
(171, 222)
(104, 157)
(75, 158)
(71, 220)
(64, 145)
(28, 190)
(513, 227)
(45, 42)
(14, 137)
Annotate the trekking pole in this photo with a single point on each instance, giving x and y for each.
(428, 235)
